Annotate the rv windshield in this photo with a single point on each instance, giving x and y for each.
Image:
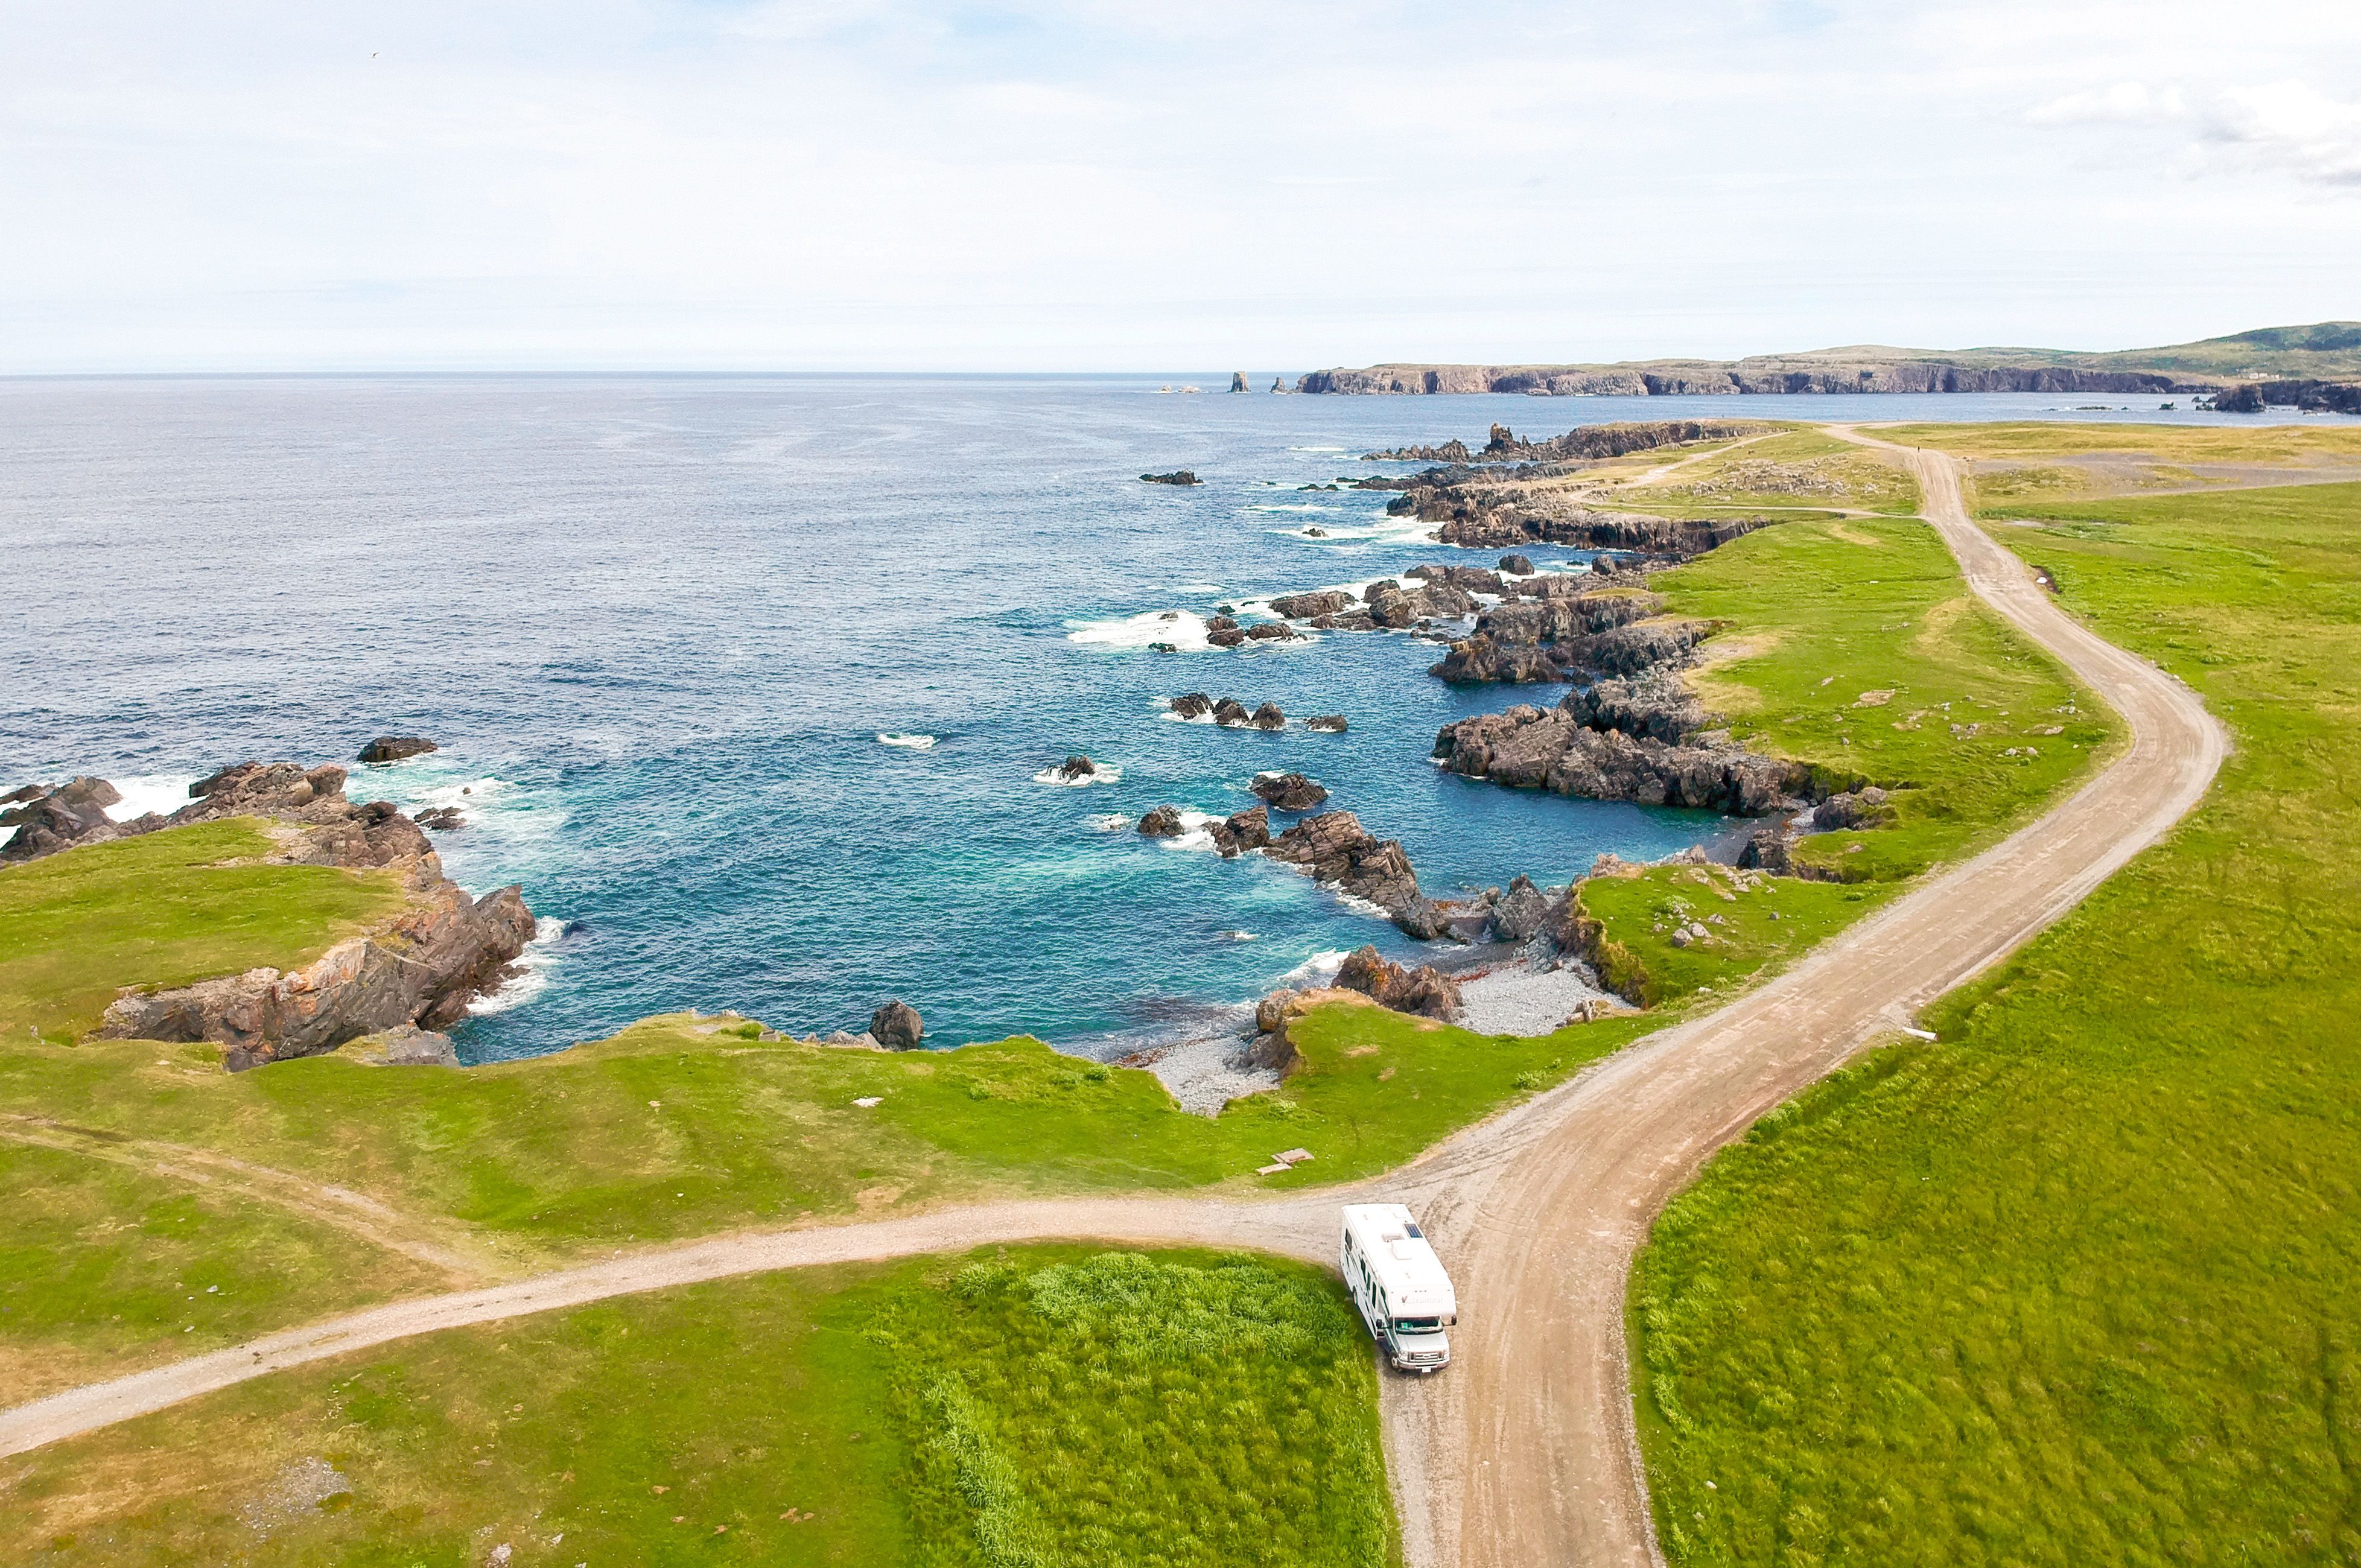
(1417, 1325)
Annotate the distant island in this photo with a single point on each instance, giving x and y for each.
(2327, 351)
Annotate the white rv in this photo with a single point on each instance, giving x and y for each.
(1400, 1286)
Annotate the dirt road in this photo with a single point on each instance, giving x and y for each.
(1524, 1453)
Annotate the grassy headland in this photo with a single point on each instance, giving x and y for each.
(2076, 1285)
(1045, 1405)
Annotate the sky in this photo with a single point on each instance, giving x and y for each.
(1080, 186)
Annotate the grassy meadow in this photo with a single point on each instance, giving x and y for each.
(2078, 1283)
(1035, 1406)
(1793, 468)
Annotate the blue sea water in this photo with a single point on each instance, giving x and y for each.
(659, 624)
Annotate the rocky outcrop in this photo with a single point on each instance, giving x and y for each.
(1250, 828)
(1194, 704)
(1237, 380)
(419, 971)
(1516, 566)
(1269, 715)
(1327, 724)
(1077, 768)
(2320, 397)
(1581, 751)
(441, 819)
(897, 1026)
(1338, 852)
(1178, 476)
(1271, 632)
(1301, 607)
(444, 950)
(1161, 822)
(1230, 712)
(394, 747)
(1424, 991)
(48, 819)
(1826, 371)
(1289, 792)
(1866, 807)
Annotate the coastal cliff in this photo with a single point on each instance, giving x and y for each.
(418, 972)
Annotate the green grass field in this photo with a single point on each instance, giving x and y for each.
(2078, 1283)
(1042, 1406)
(161, 911)
(1793, 468)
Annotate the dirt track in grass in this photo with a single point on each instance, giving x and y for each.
(1524, 1452)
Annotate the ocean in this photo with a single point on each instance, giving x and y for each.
(661, 626)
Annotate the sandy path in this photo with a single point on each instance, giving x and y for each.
(1524, 1453)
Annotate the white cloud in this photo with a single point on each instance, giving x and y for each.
(2292, 127)
(2124, 103)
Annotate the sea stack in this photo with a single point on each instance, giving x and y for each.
(1237, 380)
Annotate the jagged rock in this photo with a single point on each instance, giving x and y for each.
(1195, 704)
(1863, 808)
(406, 1045)
(1327, 724)
(1224, 841)
(1528, 747)
(1480, 660)
(1520, 912)
(1289, 792)
(1467, 579)
(1161, 822)
(1768, 850)
(1237, 380)
(1516, 566)
(1231, 711)
(1272, 632)
(1251, 828)
(394, 747)
(1563, 616)
(1314, 530)
(1604, 566)
(897, 1026)
(1221, 623)
(1340, 853)
(1270, 716)
(49, 820)
(1379, 589)
(1178, 476)
(440, 819)
(1077, 766)
(441, 952)
(1301, 607)
(1661, 708)
(1424, 991)
(1229, 637)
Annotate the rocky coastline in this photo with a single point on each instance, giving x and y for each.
(396, 986)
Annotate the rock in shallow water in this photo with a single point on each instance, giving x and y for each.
(1289, 792)
(897, 1026)
(394, 747)
(1161, 822)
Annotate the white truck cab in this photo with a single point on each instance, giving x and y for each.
(1400, 1286)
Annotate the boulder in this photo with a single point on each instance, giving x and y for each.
(1161, 822)
(1231, 711)
(1289, 792)
(1516, 566)
(1229, 637)
(1221, 623)
(441, 819)
(1224, 841)
(1270, 716)
(1868, 807)
(51, 820)
(1272, 632)
(897, 1026)
(394, 747)
(1176, 477)
(1250, 828)
(1327, 724)
(1195, 704)
(1379, 589)
(1077, 766)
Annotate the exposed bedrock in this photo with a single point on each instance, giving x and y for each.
(1340, 853)
(1582, 749)
(444, 950)
(1425, 990)
(420, 970)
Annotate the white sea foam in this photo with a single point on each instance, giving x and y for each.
(1100, 772)
(1198, 589)
(1206, 717)
(162, 794)
(1330, 451)
(1196, 831)
(1183, 629)
(1111, 822)
(1320, 967)
(913, 742)
(532, 970)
